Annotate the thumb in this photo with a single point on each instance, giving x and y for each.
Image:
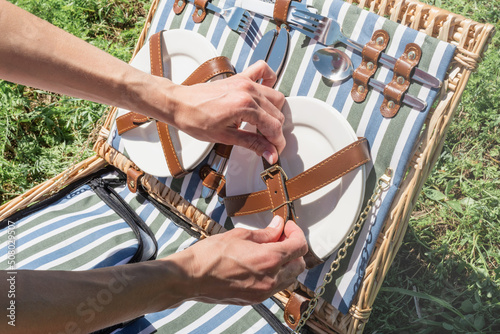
(271, 233)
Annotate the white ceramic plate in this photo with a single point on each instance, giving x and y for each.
(183, 52)
(313, 131)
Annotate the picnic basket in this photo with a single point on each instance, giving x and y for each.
(471, 40)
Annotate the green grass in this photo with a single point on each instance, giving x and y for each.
(41, 134)
(445, 277)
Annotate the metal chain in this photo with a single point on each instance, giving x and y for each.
(383, 184)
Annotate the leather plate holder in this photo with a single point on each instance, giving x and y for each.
(394, 90)
(369, 64)
(280, 12)
(205, 72)
(179, 6)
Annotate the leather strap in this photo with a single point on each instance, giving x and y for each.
(205, 72)
(316, 177)
(394, 90)
(371, 54)
(200, 11)
(280, 12)
(296, 305)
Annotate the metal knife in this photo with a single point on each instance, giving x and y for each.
(278, 54)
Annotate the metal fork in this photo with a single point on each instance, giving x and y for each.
(328, 32)
(237, 18)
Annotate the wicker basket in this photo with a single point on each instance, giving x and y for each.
(471, 39)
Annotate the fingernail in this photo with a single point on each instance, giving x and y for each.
(275, 222)
(268, 156)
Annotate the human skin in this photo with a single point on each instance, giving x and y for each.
(238, 267)
(35, 53)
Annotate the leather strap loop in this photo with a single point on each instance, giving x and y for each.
(210, 69)
(316, 177)
(369, 64)
(200, 11)
(179, 8)
(394, 90)
(296, 305)
(280, 12)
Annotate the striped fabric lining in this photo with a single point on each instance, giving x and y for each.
(391, 140)
(79, 232)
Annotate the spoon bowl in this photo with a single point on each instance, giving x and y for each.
(332, 63)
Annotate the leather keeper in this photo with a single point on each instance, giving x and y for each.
(200, 10)
(297, 304)
(280, 12)
(133, 179)
(369, 64)
(394, 90)
(316, 177)
(179, 8)
(211, 179)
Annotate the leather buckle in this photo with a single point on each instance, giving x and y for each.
(268, 172)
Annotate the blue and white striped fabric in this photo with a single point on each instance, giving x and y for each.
(80, 232)
(391, 140)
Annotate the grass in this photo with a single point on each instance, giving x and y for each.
(446, 275)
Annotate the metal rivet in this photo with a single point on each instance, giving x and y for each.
(131, 184)
(370, 65)
(380, 40)
(361, 89)
(390, 104)
(412, 55)
(200, 12)
(291, 318)
(400, 80)
(180, 3)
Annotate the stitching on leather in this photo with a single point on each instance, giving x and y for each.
(169, 140)
(202, 66)
(331, 180)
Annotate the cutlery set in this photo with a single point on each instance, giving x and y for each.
(332, 63)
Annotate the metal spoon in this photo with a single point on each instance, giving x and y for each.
(333, 64)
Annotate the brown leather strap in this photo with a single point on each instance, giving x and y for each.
(178, 8)
(394, 90)
(211, 179)
(210, 69)
(280, 12)
(200, 12)
(130, 121)
(371, 54)
(316, 177)
(296, 305)
(223, 150)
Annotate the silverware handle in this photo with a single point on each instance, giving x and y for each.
(389, 61)
(408, 99)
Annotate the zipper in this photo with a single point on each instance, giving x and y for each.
(104, 189)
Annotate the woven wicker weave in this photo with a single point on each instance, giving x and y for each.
(471, 39)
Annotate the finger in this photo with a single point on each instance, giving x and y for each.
(271, 233)
(295, 243)
(261, 70)
(255, 142)
(289, 273)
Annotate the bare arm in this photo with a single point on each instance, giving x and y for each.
(243, 267)
(35, 53)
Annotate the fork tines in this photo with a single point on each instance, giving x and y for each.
(308, 23)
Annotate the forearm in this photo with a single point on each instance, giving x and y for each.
(35, 53)
(58, 301)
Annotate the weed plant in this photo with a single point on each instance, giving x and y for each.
(445, 277)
